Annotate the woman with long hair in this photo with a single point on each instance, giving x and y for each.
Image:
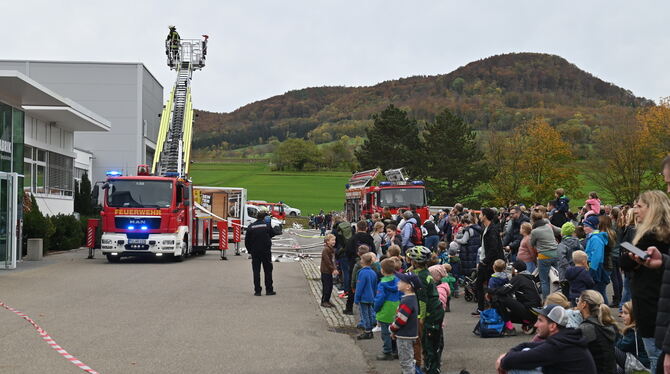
(626, 235)
(652, 230)
(599, 329)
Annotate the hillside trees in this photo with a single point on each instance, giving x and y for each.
(530, 163)
(392, 141)
(547, 161)
(295, 154)
(451, 161)
(627, 156)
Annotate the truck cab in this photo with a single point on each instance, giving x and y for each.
(146, 215)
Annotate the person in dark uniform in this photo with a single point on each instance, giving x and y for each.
(172, 44)
(259, 243)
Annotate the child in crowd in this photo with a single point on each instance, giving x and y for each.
(527, 253)
(438, 272)
(592, 205)
(499, 277)
(450, 279)
(405, 327)
(362, 249)
(630, 341)
(442, 252)
(455, 270)
(578, 276)
(431, 312)
(574, 316)
(364, 296)
(394, 251)
(386, 304)
(328, 269)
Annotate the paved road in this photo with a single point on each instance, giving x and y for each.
(198, 316)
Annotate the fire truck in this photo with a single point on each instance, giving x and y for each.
(154, 212)
(367, 194)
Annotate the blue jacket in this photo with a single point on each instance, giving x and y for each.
(498, 280)
(365, 286)
(595, 249)
(387, 299)
(579, 279)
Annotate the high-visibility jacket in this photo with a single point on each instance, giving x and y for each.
(173, 38)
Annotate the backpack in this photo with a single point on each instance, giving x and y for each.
(345, 230)
(416, 236)
(490, 324)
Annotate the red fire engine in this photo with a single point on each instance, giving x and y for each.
(155, 211)
(396, 192)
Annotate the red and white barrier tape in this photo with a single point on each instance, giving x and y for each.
(50, 341)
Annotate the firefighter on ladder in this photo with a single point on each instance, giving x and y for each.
(172, 45)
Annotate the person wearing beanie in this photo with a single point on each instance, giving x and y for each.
(569, 243)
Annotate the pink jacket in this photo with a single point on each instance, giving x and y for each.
(444, 291)
(526, 252)
(594, 205)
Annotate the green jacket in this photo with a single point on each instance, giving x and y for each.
(451, 281)
(430, 307)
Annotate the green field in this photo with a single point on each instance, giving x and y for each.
(307, 191)
(312, 191)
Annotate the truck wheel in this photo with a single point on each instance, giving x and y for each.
(113, 259)
(179, 258)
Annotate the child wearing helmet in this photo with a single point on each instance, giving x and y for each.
(431, 312)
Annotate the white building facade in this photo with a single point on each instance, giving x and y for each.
(126, 94)
(37, 129)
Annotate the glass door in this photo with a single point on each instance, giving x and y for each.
(8, 220)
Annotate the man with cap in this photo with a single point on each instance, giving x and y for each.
(564, 350)
(258, 241)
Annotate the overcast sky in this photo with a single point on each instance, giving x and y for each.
(259, 49)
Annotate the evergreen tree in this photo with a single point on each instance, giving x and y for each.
(454, 165)
(392, 142)
(77, 198)
(85, 195)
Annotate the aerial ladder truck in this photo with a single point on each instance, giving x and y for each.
(154, 212)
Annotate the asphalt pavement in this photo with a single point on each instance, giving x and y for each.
(198, 316)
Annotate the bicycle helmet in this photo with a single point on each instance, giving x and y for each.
(419, 253)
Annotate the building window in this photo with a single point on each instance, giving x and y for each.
(48, 172)
(78, 173)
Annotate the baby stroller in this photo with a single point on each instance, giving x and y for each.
(469, 287)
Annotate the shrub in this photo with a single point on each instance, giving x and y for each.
(67, 233)
(35, 225)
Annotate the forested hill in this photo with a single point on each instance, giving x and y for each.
(498, 92)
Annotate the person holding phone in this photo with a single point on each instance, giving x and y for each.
(653, 230)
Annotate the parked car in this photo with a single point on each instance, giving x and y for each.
(291, 211)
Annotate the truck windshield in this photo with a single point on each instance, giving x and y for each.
(139, 193)
(402, 197)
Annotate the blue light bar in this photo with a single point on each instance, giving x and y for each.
(144, 228)
(417, 183)
(114, 173)
(172, 174)
(131, 227)
(385, 183)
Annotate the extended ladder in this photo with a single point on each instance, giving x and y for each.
(173, 147)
